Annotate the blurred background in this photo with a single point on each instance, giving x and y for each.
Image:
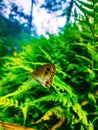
(26, 18)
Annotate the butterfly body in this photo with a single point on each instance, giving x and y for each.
(44, 74)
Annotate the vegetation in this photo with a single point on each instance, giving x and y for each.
(71, 103)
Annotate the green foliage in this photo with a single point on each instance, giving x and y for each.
(10, 35)
(72, 100)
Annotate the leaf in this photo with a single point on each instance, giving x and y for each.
(82, 127)
(91, 98)
(86, 4)
(84, 10)
(91, 126)
(91, 72)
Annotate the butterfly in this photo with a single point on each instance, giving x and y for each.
(44, 74)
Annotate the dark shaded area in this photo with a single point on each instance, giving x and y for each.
(12, 35)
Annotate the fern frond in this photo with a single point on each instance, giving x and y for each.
(24, 109)
(62, 86)
(81, 114)
(26, 86)
(9, 102)
(58, 111)
(85, 10)
(86, 4)
(84, 58)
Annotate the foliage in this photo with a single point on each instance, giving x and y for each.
(62, 6)
(53, 5)
(72, 100)
(10, 35)
(15, 12)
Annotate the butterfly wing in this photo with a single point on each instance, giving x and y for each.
(44, 74)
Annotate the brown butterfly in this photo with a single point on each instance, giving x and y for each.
(44, 74)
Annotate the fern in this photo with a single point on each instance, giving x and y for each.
(70, 98)
(8, 102)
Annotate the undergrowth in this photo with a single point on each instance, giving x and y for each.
(72, 100)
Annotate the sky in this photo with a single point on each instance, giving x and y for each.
(44, 21)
